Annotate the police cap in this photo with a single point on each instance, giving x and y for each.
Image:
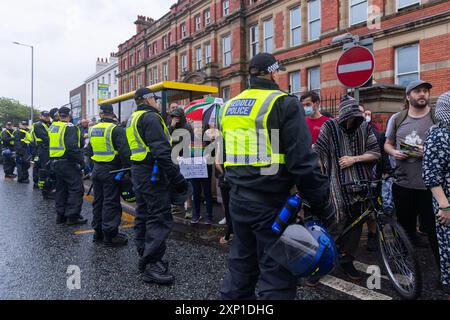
(264, 63)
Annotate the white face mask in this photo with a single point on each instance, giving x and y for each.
(368, 119)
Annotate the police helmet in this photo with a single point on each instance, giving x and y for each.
(7, 153)
(126, 189)
(178, 199)
(305, 250)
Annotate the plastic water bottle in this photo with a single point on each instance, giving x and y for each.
(284, 217)
(119, 176)
(155, 172)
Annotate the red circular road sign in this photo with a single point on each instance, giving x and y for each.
(355, 67)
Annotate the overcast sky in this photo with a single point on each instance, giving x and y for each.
(68, 36)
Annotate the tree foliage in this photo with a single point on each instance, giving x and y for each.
(13, 111)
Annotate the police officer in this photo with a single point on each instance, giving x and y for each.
(22, 143)
(67, 163)
(110, 153)
(150, 141)
(41, 143)
(9, 163)
(261, 176)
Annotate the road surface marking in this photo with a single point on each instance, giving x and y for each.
(364, 267)
(353, 289)
(125, 226)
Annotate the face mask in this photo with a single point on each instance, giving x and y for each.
(309, 111)
(368, 119)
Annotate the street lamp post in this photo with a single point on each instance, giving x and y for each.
(32, 77)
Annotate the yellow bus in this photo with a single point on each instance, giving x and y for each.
(169, 92)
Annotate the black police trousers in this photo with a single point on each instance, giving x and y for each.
(44, 157)
(107, 209)
(22, 169)
(69, 189)
(249, 265)
(154, 221)
(9, 164)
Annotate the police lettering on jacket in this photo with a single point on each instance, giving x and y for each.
(241, 107)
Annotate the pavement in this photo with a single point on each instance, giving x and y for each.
(37, 258)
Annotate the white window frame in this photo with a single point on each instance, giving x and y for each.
(311, 21)
(226, 53)
(207, 17)
(406, 6)
(184, 66)
(293, 28)
(131, 83)
(198, 58)
(396, 62)
(266, 38)
(227, 88)
(294, 92)
(309, 79)
(225, 7)
(254, 42)
(165, 69)
(208, 58)
(198, 22)
(165, 43)
(139, 80)
(155, 75)
(350, 6)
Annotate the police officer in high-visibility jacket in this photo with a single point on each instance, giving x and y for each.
(9, 164)
(22, 143)
(267, 151)
(149, 141)
(67, 161)
(110, 153)
(41, 143)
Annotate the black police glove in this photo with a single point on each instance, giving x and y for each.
(181, 186)
(326, 214)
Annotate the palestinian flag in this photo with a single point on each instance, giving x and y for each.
(202, 109)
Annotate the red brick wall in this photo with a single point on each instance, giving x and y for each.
(284, 81)
(378, 3)
(435, 49)
(279, 29)
(237, 39)
(329, 15)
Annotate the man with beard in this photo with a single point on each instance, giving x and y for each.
(348, 151)
(411, 197)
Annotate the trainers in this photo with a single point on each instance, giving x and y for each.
(350, 270)
(312, 281)
(195, 220)
(188, 214)
(223, 221)
(372, 242)
(119, 240)
(208, 221)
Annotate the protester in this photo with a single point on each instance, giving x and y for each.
(314, 119)
(436, 176)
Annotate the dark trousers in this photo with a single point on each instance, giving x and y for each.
(9, 164)
(225, 192)
(154, 221)
(410, 203)
(249, 265)
(69, 189)
(22, 168)
(198, 185)
(107, 210)
(43, 155)
(348, 245)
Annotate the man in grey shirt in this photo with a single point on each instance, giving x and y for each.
(405, 136)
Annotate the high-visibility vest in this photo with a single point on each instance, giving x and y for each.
(138, 147)
(244, 127)
(27, 138)
(11, 142)
(56, 134)
(100, 137)
(35, 138)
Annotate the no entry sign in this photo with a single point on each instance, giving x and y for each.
(355, 67)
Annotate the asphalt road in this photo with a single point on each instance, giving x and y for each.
(35, 255)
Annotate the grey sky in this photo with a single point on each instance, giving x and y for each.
(68, 36)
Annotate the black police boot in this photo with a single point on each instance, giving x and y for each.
(117, 241)
(48, 195)
(60, 219)
(98, 237)
(158, 273)
(142, 264)
(76, 221)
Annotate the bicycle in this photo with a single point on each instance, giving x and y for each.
(397, 252)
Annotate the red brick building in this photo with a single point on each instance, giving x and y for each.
(211, 42)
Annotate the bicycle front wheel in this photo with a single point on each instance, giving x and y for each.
(399, 258)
